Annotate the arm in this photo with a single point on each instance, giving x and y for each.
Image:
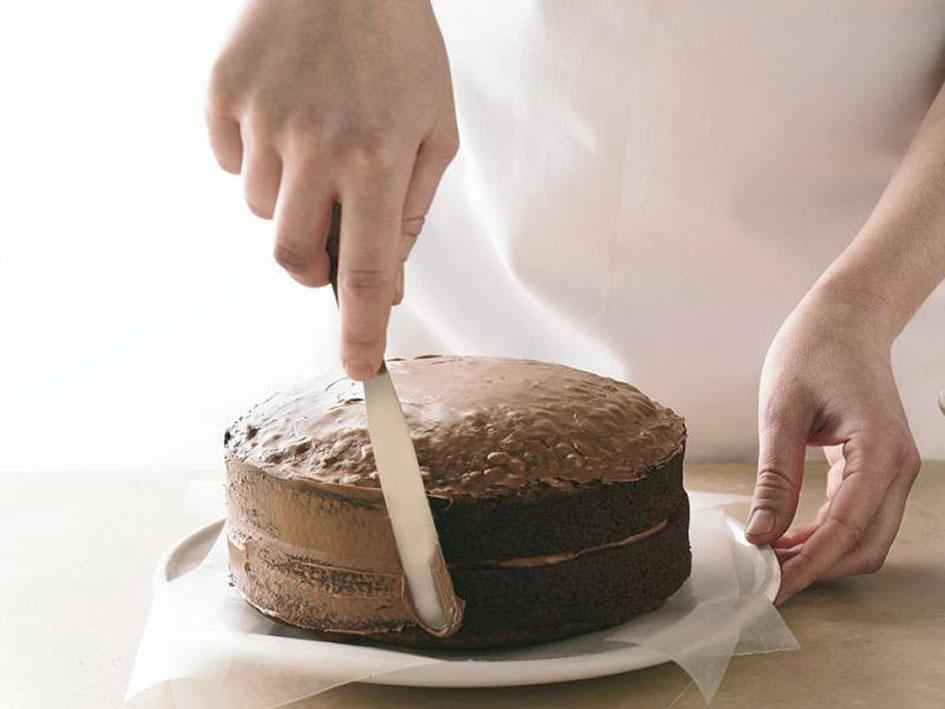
(827, 381)
(898, 258)
(316, 101)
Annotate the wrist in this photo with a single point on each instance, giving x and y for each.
(853, 304)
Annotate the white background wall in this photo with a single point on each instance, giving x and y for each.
(140, 309)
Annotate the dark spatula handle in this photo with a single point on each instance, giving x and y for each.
(332, 246)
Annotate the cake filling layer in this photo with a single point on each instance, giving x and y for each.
(363, 583)
(550, 559)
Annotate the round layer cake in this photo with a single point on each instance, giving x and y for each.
(557, 495)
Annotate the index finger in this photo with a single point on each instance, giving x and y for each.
(367, 269)
(869, 470)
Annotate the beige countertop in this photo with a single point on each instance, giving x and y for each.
(77, 551)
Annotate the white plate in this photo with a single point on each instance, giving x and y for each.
(757, 568)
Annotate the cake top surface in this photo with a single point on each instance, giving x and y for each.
(479, 425)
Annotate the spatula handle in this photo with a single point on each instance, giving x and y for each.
(332, 245)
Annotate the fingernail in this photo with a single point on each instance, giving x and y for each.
(760, 522)
(359, 370)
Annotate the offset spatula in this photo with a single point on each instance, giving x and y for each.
(429, 593)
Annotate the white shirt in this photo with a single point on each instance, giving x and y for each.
(646, 189)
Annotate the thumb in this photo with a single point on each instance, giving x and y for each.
(783, 442)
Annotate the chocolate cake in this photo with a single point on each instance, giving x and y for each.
(557, 495)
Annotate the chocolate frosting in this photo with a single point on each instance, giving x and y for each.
(564, 509)
(480, 425)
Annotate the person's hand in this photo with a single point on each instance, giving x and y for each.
(317, 101)
(827, 381)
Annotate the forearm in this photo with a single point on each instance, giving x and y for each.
(898, 258)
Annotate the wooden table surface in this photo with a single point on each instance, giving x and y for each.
(77, 551)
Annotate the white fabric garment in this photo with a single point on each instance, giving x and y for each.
(646, 189)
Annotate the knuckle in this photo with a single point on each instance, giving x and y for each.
(223, 94)
(773, 484)
(909, 460)
(372, 155)
(367, 282)
(268, 109)
(356, 341)
(309, 130)
(852, 530)
(410, 230)
(873, 561)
(449, 147)
(452, 145)
(265, 118)
(398, 295)
(305, 120)
(289, 258)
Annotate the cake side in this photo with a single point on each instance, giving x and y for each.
(347, 525)
(329, 564)
(557, 496)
